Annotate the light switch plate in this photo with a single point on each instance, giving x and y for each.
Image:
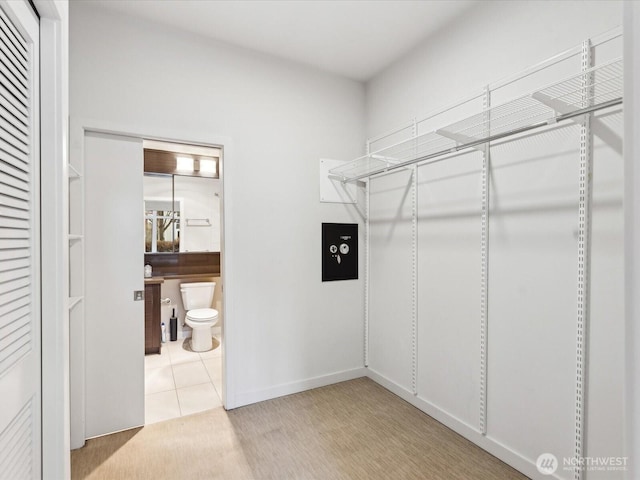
(138, 295)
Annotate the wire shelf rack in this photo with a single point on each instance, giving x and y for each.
(597, 88)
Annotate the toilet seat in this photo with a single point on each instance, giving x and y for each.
(202, 315)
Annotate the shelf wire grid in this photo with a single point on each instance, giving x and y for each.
(540, 107)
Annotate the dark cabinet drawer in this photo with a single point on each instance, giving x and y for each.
(152, 333)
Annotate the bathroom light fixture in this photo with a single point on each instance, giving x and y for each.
(184, 164)
(207, 166)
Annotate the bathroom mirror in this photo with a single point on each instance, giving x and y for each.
(161, 219)
(199, 199)
(182, 213)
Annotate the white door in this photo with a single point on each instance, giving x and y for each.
(114, 263)
(20, 358)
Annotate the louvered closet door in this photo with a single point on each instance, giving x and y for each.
(20, 379)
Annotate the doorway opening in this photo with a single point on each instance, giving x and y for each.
(119, 319)
(182, 201)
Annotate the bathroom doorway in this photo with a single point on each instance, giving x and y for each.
(182, 198)
(108, 330)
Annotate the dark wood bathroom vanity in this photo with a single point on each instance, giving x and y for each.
(152, 332)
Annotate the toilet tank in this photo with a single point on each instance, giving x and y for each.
(197, 295)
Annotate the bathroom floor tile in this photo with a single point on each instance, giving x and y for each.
(161, 406)
(214, 369)
(218, 392)
(176, 344)
(198, 398)
(155, 360)
(216, 352)
(178, 382)
(179, 354)
(192, 373)
(159, 380)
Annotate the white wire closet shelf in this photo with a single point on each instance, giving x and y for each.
(594, 89)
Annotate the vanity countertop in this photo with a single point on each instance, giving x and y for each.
(192, 276)
(152, 280)
(161, 279)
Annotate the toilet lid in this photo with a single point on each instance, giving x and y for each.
(202, 314)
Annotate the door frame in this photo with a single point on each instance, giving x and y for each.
(77, 129)
(54, 113)
(632, 235)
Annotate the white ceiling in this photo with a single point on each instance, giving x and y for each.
(353, 38)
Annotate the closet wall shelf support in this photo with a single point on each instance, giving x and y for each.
(73, 172)
(73, 301)
(552, 104)
(459, 138)
(340, 178)
(557, 105)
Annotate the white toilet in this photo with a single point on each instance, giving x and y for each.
(197, 298)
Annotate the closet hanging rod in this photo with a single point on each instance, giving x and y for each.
(498, 136)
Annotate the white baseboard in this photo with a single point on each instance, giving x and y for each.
(247, 398)
(495, 448)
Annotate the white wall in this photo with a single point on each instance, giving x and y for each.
(532, 245)
(283, 326)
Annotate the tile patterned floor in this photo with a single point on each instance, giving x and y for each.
(178, 382)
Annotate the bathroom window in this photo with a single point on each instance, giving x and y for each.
(161, 227)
